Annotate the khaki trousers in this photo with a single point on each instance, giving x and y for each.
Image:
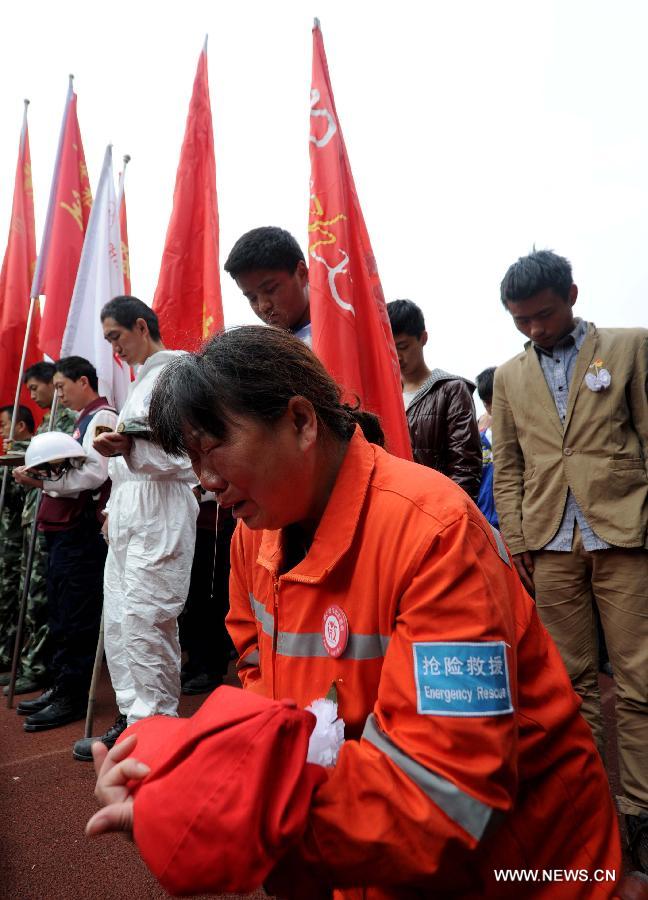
(567, 585)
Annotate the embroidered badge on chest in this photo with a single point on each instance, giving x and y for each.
(462, 679)
(335, 631)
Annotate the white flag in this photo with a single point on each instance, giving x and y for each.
(99, 279)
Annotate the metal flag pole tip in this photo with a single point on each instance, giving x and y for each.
(127, 159)
(316, 23)
(26, 101)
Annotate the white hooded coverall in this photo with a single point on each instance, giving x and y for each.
(152, 533)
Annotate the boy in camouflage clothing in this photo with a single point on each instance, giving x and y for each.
(33, 659)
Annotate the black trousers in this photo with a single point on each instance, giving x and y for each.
(202, 623)
(76, 559)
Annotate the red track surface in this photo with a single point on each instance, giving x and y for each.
(46, 798)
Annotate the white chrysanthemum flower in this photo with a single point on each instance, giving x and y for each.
(328, 734)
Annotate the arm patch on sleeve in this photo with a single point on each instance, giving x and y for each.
(462, 679)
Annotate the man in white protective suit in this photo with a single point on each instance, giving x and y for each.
(151, 529)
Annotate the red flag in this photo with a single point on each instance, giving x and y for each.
(188, 296)
(123, 229)
(15, 281)
(351, 331)
(67, 219)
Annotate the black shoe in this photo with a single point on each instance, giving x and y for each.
(637, 828)
(202, 684)
(24, 686)
(27, 707)
(59, 712)
(82, 749)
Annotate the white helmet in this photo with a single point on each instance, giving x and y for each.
(52, 447)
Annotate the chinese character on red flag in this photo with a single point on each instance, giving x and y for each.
(351, 331)
(188, 296)
(67, 218)
(15, 282)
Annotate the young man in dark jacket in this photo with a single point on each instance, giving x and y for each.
(439, 406)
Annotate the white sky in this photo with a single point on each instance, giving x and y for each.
(474, 130)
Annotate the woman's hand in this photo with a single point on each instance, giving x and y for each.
(113, 774)
(113, 444)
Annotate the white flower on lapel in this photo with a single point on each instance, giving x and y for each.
(600, 379)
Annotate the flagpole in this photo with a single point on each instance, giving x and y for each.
(94, 681)
(122, 177)
(36, 290)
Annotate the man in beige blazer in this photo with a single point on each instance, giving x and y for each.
(570, 434)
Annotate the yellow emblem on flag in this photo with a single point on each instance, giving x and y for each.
(75, 209)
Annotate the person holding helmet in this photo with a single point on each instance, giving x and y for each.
(74, 479)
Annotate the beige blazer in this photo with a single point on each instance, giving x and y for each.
(601, 453)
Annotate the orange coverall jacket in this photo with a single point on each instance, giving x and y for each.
(466, 752)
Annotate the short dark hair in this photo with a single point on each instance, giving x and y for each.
(41, 371)
(75, 367)
(268, 247)
(405, 317)
(485, 384)
(251, 370)
(126, 310)
(24, 415)
(540, 270)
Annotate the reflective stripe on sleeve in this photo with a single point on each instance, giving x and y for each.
(501, 546)
(252, 659)
(469, 813)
